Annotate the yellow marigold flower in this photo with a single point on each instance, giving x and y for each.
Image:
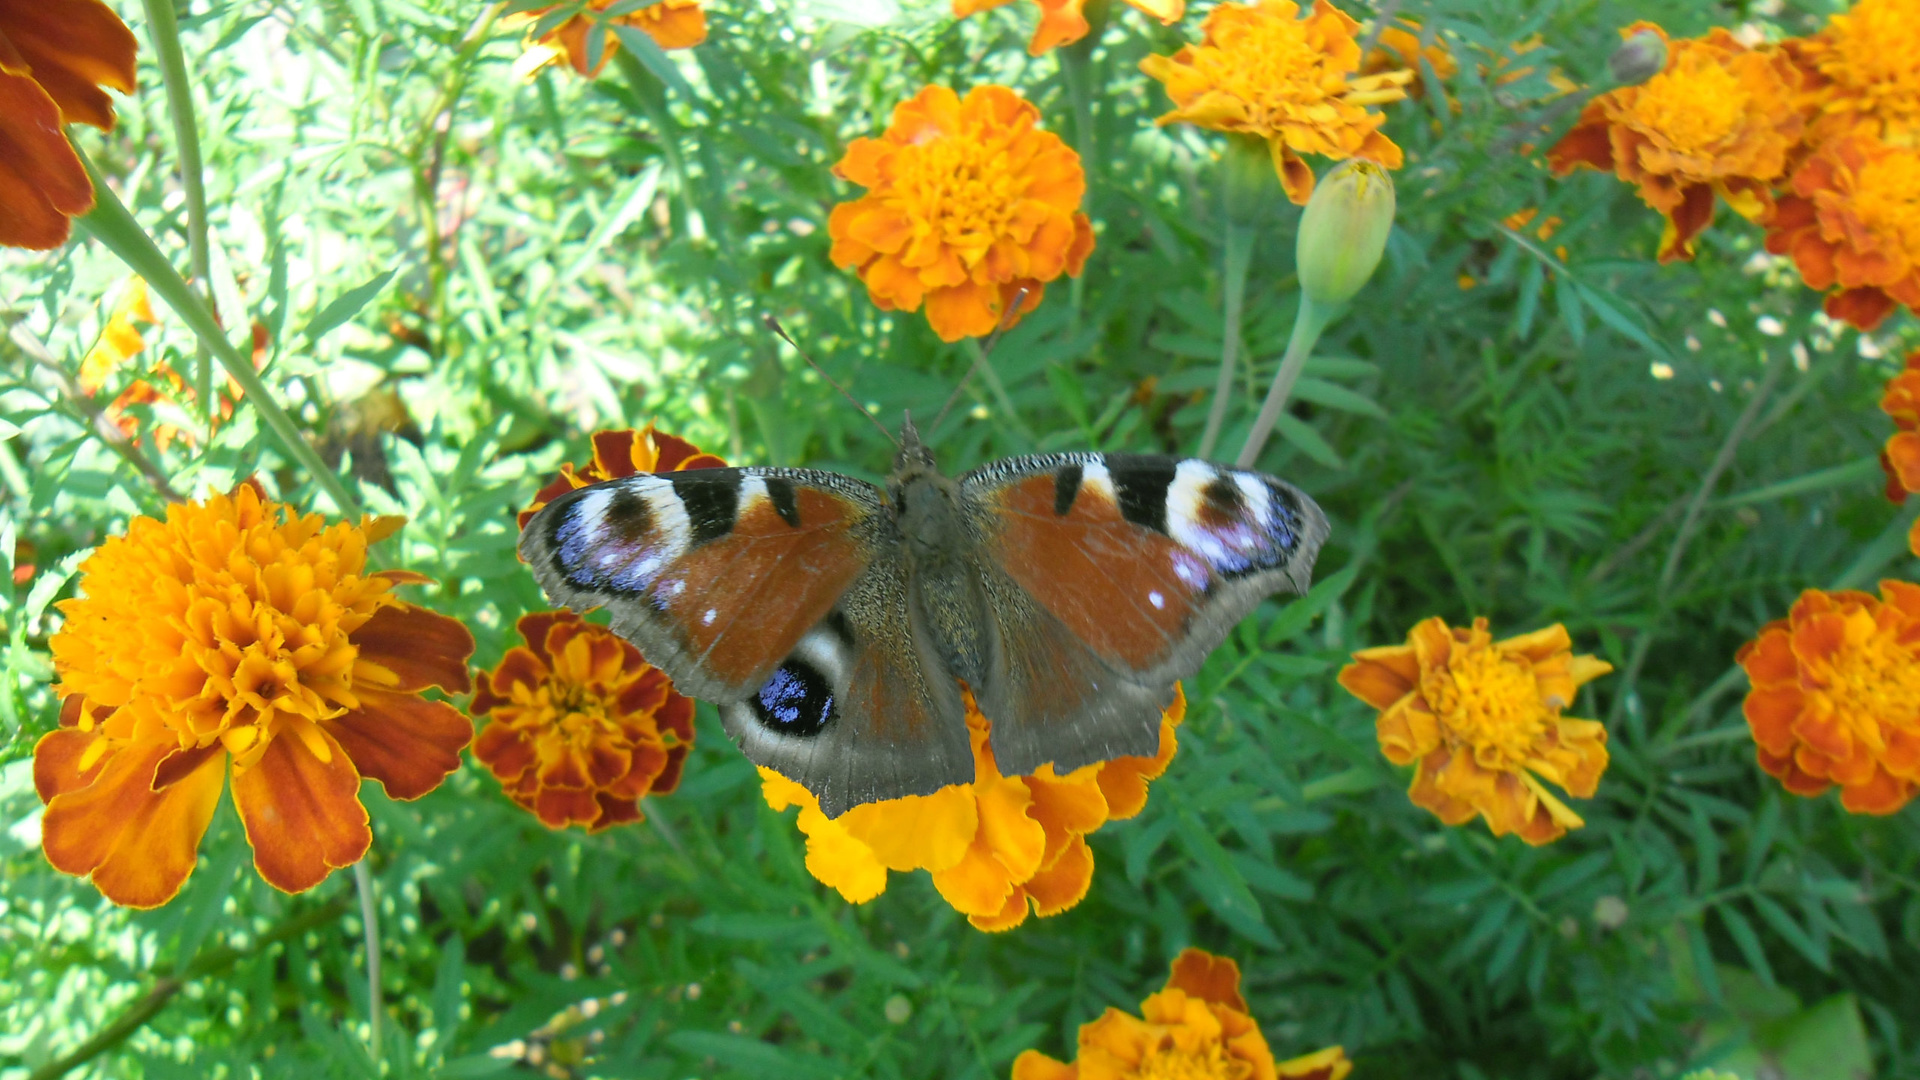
(1259, 70)
(54, 59)
(1852, 225)
(581, 728)
(1063, 22)
(1836, 696)
(623, 453)
(995, 847)
(1481, 718)
(239, 634)
(1866, 67)
(1721, 118)
(672, 24)
(1196, 1028)
(968, 202)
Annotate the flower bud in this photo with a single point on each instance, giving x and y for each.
(1344, 230)
(1639, 58)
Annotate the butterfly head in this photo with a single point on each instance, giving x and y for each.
(914, 456)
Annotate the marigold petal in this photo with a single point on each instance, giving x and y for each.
(1207, 977)
(420, 647)
(504, 751)
(42, 183)
(1032, 1064)
(1771, 713)
(1328, 1064)
(407, 743)
(73, 49)
(61, 761)
(965, 310)
(1064, 883)
(303, 817)
(1865, 309)
(979, 884)
(929, 832)
(1381, 677)
(139, 844)
(1011, 914)
(1883, 793)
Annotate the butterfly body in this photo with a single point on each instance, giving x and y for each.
(833, 622)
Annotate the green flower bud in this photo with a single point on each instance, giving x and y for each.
(1344, 231)
(1638, 58)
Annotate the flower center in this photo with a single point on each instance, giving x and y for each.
(964, 187)
(1208, 1061)
(1695, 107)
(1886, 198)
(1876, 52)
(578, 712)
(1874, 681)
(1489, 702)
(1271, 65)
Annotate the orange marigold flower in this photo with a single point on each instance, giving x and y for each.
(1852, 225)
(55, 55)
(1063, 22)
(1836, 696)
(996, 846)
(1398, 47)
(237, 634)
(1901, 458)
(1866, 69)
(1482, 720)
(581, 727)
(623, 453)
(1261, 71)
(672, 24)
(1720, 118)
(968, 202)
(1196, 1028)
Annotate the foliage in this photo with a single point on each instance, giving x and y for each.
(456, 277)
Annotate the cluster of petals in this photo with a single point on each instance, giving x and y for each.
(1851, 224)
(580, 728)
(1900, 459)
(623, 453)
(995, 847)
(1480, 719)
(1195, 1028)
(55, 57)
(1261, 70)
(968, 205)
(672, 24)
(1063, 22)
(1720, 119)
(1835, 696)
(1865, 70)
(239, 637)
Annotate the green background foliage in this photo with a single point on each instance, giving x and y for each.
(519, 265)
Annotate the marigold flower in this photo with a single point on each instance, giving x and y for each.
(1852, 225)
(1481, 718)
(995, 847)
(1261, 71)
(120, 340)
(968, 202)
(237, 633)
(1063, 22)
(1836, 696)
(1196, 1028)
(1721, 118)
(1398, 47)
(1901, 457)
(672, 24)
(1866, 69)
(581, 727)
(623, 453)
(55, 55)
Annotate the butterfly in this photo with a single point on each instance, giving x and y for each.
(833, 622)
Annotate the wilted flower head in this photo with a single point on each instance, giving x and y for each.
(54, 59)
(1852, 225)
(1481, 718)
(1063, 22)
(1260, 70)
(1866, 69)
(1196, 1028)
(1343, 231)
(1836, 696)
(1720, 119)
(672, 24)
(968, 202)
(996, 846)
(238, 633)
(580, 728)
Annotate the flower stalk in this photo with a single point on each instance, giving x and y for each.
(163, 25)
(370, 922)
(1313, 319)
(1247, 184)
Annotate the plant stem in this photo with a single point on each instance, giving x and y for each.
(164, 27)
(432, 145)
(1721, 461)
(370, 922)
(1307, 327)
(1239, 255)
(998, 389)
(111, 223)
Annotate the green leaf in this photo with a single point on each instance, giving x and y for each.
(1310, 442)
(1335, 396)
(650, 55)
(1784, 925)
(1217, 879)
(1746, 940)
(345, 306)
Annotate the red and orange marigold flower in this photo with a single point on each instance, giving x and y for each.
(1852, 225)
(55, 56)
(237, 637)
(1720, 119)
(1063, 22)
(968, 203)
(1865, 70)
(1901, 457)
(672, 24)
(1262, 71)
(995, 847)
(1480, 719)
(580, 728)
(1836, 696)
(1195, 1028)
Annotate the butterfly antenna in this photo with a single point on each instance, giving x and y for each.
(980, 358)
(773, 324)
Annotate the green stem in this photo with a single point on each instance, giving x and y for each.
(370, 922)
(432, 146)
(1076, 70)
(1239, 255)
(164, 27)
(111, 223)
(1307, 327)
(999, 390)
